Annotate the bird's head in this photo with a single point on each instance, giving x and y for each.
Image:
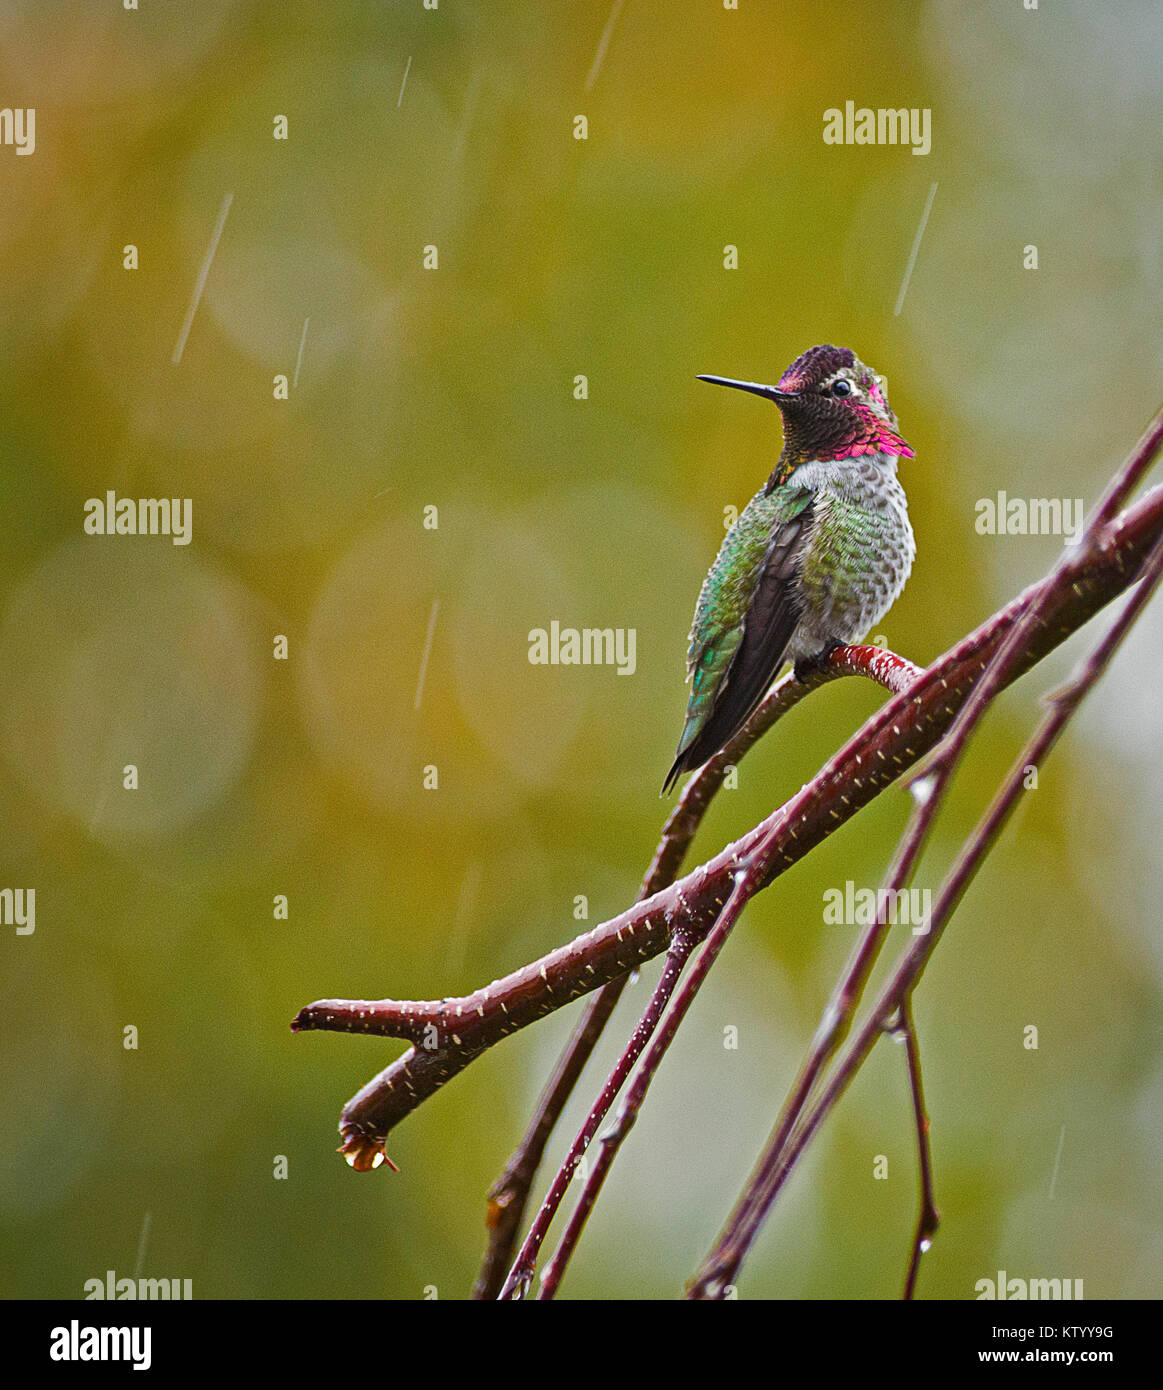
(833, 407)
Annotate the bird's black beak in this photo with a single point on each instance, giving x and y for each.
(770, 393)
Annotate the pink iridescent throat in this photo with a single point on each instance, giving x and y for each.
(873, 435)
(883, 442)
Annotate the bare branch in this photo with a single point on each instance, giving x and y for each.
(510, 1193)
(902, 731)
(746, 884)
(928, 1217)
(719, 1270)
(517, 1282)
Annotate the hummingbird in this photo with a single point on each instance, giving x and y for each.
(816, 557)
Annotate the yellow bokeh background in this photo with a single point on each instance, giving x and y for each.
(454, 388)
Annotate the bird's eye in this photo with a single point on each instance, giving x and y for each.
(841, 388)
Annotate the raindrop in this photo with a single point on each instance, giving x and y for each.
(922, 789)
(358, 1159)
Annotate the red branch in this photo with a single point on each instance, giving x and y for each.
(447, 1034)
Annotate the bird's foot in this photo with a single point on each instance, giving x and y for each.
(807, 666)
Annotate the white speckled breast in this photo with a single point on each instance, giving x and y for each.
(858, 554)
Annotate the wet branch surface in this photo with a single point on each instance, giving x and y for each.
(447, 1034)
(720, 1268)
(930, 785)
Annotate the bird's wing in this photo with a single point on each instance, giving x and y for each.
(745, 618)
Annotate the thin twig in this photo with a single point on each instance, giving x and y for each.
(929, 783)
(928, 1217)
(719, 1270)
(889, 670)
(509, 1195)
(744, 887)
(448, 1034)
(517, 1282)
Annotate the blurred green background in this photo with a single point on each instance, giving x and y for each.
(454, 388)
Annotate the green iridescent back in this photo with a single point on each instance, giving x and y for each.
(726, 596)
